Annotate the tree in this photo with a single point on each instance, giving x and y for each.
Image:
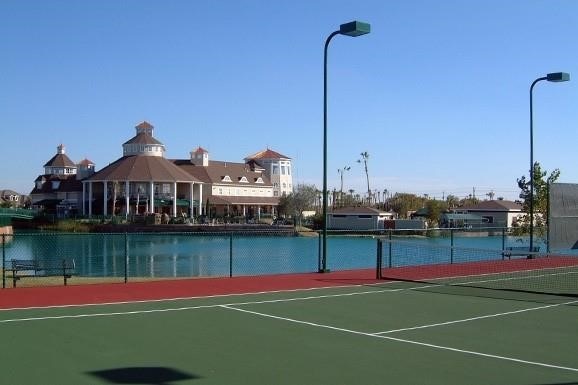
(303, 198)
(435, 209)
(452, 201)
(540, 196)
(402, 203)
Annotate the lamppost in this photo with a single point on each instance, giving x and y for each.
(551, 77)
(354, 29)
(341, 171)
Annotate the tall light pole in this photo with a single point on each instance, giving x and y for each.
(341, 171)
(365, 156)
(354, 29)
(551, 77)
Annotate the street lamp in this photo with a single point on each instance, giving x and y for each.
(551, 77)
(354, 29)
(341, 171)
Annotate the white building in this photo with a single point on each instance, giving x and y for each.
(277, 167)
(357, 218)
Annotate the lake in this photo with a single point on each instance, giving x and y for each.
(156, 255)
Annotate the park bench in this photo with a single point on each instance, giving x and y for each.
(22, 268)
(520, 251)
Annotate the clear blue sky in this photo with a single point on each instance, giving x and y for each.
(437, 94)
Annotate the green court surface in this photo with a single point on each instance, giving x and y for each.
(391, 333)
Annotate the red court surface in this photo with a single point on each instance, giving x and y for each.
(200, 287)
(174, 288)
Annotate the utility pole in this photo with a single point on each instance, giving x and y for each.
(364, 157)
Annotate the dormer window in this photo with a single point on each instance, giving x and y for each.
(259, 180)
(243, 180)
(226, 178)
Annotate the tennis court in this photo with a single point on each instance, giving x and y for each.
(403, 329)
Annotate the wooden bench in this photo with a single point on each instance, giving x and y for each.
(520, 251)
(22, 268)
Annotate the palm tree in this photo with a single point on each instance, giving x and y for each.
(364, 157)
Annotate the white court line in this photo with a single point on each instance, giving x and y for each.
(470, 352)
(91, 315)
(290, 290)
(476, 318)
(196, 297)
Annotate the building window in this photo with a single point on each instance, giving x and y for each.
(282, 170)
(487, 219)
(275, 169)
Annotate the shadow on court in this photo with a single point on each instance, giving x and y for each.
(143, 375)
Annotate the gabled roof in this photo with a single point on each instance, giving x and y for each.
(497, 205)
(68, 183)
(142, 168)
(7, 193)
(144, 124)
(142, 138)
(60, 160)
(354, 210)
(266, 154)
(86, 162)
(200, 150)
(216, 170)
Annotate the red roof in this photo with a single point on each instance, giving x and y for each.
(86, 162)
(267, 154)
(200, 150)
(60, 160)
(144, 124)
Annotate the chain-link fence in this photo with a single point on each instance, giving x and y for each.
(77, 258)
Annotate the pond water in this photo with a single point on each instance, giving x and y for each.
(192, 255)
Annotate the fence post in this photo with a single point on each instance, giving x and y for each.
(451, 246)
(390, 264)
(319, 251)
(503, 243)
(126, 257)
(379, 258)
(3, 261)
(230, 255)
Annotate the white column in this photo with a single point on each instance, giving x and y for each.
(105, 199)
(89, 199)
(175, 199)
(201, 199)
(259, 213)
(244, 211)
(152, 197)
(191, 198)
(126, 197)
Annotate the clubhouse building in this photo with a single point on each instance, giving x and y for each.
(144, 181)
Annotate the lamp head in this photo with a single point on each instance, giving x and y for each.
(558, 77)
(354, 28)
